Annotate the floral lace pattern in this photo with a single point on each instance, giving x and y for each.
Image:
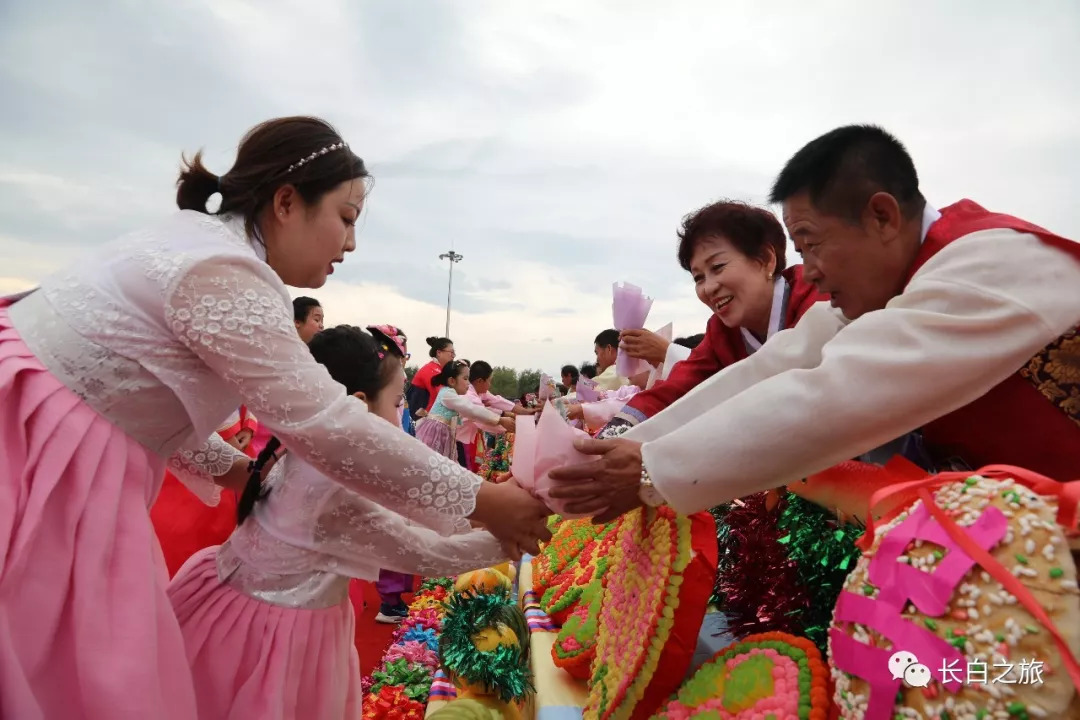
(167, 331)
(197, 468)
(309, 525)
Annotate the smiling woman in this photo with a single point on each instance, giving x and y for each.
(735, 254)
(127, 362)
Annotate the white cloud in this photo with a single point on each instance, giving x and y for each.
(556, 145)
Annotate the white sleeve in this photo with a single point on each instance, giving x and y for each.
(797, 347)
(675, 354)
(971, 317)
(465, 407)
(198, 467)
(234, 314)
(355, 529)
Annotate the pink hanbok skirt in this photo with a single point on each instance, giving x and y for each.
(86, 629)
(256, 661)
(439, 436)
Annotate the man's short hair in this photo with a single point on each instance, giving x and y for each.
(843, 168)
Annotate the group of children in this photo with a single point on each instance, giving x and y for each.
(260, 582)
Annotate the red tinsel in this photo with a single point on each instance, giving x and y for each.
(761, 586)
(391, 703)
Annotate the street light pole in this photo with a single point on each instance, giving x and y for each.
(453, 257)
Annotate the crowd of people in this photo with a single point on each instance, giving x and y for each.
(173, 365)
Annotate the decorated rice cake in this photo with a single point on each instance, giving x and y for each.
(773, 676)
(591, 565)
(569, 539)
(922, 631)
(657, 588)
(575, 645)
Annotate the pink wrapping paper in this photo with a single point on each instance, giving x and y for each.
(630, 308)
(586, 390)
(548, 390)
(542, 447)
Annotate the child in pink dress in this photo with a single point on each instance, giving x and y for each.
(439, 429)
(266, 617)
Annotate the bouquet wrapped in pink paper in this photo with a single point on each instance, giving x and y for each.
(586, 390)
(540, 448)
(548, 389)
(630, 308)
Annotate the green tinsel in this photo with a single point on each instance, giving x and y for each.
(725, 559)
(496, 459)
(824, 552)
(432, 583)
(414, 678)
(505, 670)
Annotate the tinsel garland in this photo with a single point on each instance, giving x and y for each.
(726, 559)
(824, 553)
(758, 582)
(495, 462)
(504, 671)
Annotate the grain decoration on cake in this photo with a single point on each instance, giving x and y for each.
(661, 573)
(965, 605)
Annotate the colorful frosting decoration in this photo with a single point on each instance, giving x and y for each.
(763, 676)
(561, 597)
(658, 585)
(575, 645)
(569, 539)
(917, 592)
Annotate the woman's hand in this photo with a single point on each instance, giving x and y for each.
(507, 423)
(644, 345)
(574, 412)
(610, 484)
(512, 515)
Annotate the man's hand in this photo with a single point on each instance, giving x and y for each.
(609, 485)
(644, 345)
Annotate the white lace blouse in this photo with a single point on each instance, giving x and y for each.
(167, 330)
(309, 535)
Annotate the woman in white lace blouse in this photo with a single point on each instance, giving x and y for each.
(134, 356)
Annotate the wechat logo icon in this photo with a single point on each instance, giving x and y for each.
(905, 666)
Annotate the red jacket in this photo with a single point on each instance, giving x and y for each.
(422, 380)
(721, 347)
(1032, 419)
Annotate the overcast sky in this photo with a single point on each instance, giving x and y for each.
(556, 145)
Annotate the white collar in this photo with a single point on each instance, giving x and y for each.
(776, 315)
(930, 215)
